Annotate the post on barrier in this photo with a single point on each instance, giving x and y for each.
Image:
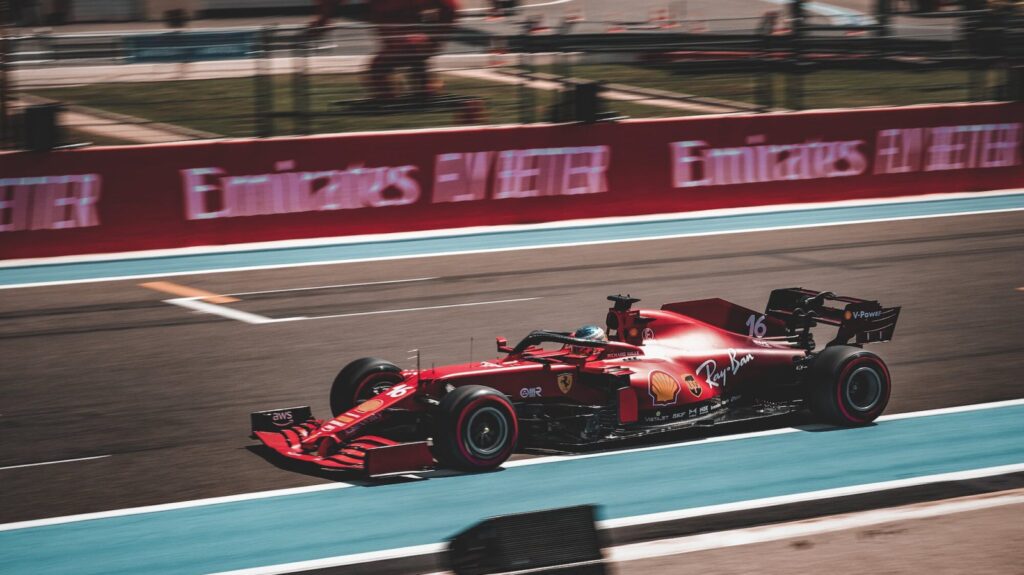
(977, 83)
(563, 64)
(5, 123)
(796, 68)
(42, 127)
(883, 13)
(527, 96)
(559, 106)
(795, 85)
(764, 87)
(562, 109)
(263, 86)
(797, 14)
(587, 102)
(300, 83)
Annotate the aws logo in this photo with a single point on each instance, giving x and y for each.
(283, 418)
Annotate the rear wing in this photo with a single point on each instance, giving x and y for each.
(865, 321)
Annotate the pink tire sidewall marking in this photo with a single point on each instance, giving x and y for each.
(514, 432)
(882, 402)
(370, 378)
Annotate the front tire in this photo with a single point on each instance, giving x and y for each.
(475, 429)
(848, 386)
(361, 380)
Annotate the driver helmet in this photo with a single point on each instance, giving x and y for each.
(591, 332)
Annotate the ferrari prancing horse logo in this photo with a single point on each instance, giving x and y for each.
(565, 382)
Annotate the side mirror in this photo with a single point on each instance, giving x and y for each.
(503, 346)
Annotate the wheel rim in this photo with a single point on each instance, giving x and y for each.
(374, 385)
(487, 432)
(864, 389)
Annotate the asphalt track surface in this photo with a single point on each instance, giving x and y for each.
(110, 369)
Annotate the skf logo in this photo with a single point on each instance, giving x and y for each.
(282, 418)
(693, 384)
(664, 388)
(565, 382)
(528, 392)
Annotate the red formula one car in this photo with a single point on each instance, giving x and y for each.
(690, 363)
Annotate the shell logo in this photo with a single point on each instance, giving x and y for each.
(663, 388)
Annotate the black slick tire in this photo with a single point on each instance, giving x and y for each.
(475, 429)
(361, 380)
(848, 386)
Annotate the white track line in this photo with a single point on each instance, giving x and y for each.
(805, 528)
(705, 541)
(335, 286)
(763, 534)
(172, 506)
(703, 441)
(956, 409)
(426, 308)
(766, 433)
(53, 462)
(495, 229)
(810, 496)
(454, 232)
(328, 562)
(196, 304)
(329, 486)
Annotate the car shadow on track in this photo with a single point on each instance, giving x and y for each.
(353, 478)
(687, 435)
(798, 421)
(293, 466)
(825, 427)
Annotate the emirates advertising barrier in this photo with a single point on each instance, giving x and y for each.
(116, 199)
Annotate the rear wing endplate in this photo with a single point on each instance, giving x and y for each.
(865, 321)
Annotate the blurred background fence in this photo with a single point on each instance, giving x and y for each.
(194, 83)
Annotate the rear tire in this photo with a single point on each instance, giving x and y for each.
(361, 380)
(848, 386)
(475, 429)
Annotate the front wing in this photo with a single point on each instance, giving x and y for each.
(282, 430)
